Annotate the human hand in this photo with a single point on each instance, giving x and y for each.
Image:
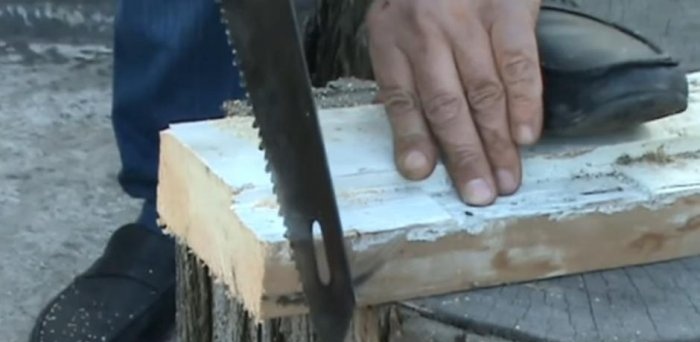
(461, 77)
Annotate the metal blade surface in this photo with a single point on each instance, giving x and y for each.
(269, 53)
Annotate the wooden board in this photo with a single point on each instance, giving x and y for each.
(585, 205)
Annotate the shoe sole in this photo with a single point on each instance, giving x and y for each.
(617, 100)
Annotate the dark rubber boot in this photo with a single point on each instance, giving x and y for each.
(127, 295)
(599, 77)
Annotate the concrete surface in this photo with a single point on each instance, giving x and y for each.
(57, 20)
(59, 199)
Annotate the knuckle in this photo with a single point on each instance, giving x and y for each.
(399, 100)
(466, 156)
(421, 11)
(519, 69)
(520, 73)
(495, 134)
(443, 108)
(374, 22)
(484, 95)
(496, 141)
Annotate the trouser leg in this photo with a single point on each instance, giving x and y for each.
(172, 63)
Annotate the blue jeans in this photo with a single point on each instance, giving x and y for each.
(172, 63)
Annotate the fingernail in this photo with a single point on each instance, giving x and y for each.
(506, 181)
(478, 192)
(415, 161)
(526, 135)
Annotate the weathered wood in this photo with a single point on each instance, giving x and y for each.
(635, 195)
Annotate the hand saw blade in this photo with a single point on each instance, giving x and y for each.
(269, 52)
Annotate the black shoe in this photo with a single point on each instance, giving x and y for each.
(127, 295)
(599, 77)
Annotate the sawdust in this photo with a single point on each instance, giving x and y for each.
(583, 174)
(267, 203)
(344, 92)
(659, 157)
(240, 126)
(360, 198)
(234, 108)
(654, 157)
(570, 153)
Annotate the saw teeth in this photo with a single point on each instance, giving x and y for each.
(236, 61)
(280, 212)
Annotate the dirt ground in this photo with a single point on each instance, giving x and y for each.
(59, 199)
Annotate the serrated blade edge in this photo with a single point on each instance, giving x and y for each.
(267, 49)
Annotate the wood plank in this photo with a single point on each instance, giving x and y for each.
(634, 196)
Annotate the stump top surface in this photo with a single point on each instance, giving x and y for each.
(658, 302)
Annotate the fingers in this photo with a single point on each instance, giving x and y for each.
(467, 72)
(487, 100)
(516, 55)
(415, 152)
(447, 112)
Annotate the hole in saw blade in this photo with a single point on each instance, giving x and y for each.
(324, 274)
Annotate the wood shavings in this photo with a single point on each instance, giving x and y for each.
(237, 108)
(659, 157)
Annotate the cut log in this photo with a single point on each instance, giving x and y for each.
(585, 205)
